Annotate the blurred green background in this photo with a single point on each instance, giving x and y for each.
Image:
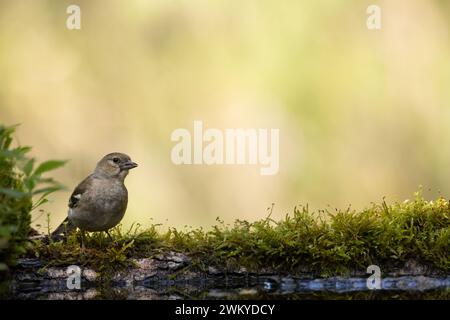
(362, 113)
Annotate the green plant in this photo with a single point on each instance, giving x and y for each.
(22, 189)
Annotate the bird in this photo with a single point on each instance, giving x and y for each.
(99, 202)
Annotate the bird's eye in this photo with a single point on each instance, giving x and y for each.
(116, 160)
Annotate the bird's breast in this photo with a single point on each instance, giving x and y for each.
(102, 207)
(110, 196)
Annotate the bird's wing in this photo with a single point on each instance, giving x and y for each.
(79, 190)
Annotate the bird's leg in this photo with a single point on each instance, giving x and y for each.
(83, 247)
(110, 237)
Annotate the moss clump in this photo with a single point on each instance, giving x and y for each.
(324, 243)
(331, 242)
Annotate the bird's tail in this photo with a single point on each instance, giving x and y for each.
(63, 230)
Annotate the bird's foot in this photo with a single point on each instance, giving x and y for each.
(113, 241)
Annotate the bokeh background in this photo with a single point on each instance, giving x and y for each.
(363, 114)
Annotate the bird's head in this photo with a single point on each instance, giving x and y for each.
(115, 165)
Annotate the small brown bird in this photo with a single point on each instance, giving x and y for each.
(99, 202)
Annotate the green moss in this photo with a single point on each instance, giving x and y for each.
(324, 243)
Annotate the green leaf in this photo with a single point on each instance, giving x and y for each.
(18, 153)
(12, 192)
(28, 167)
(46, 180)
(30, 183)
(7, 142)
(48, 166)
(40, 202)
(22, 150)
(47, 190)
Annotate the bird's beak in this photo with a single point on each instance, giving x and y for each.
(128, 165)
